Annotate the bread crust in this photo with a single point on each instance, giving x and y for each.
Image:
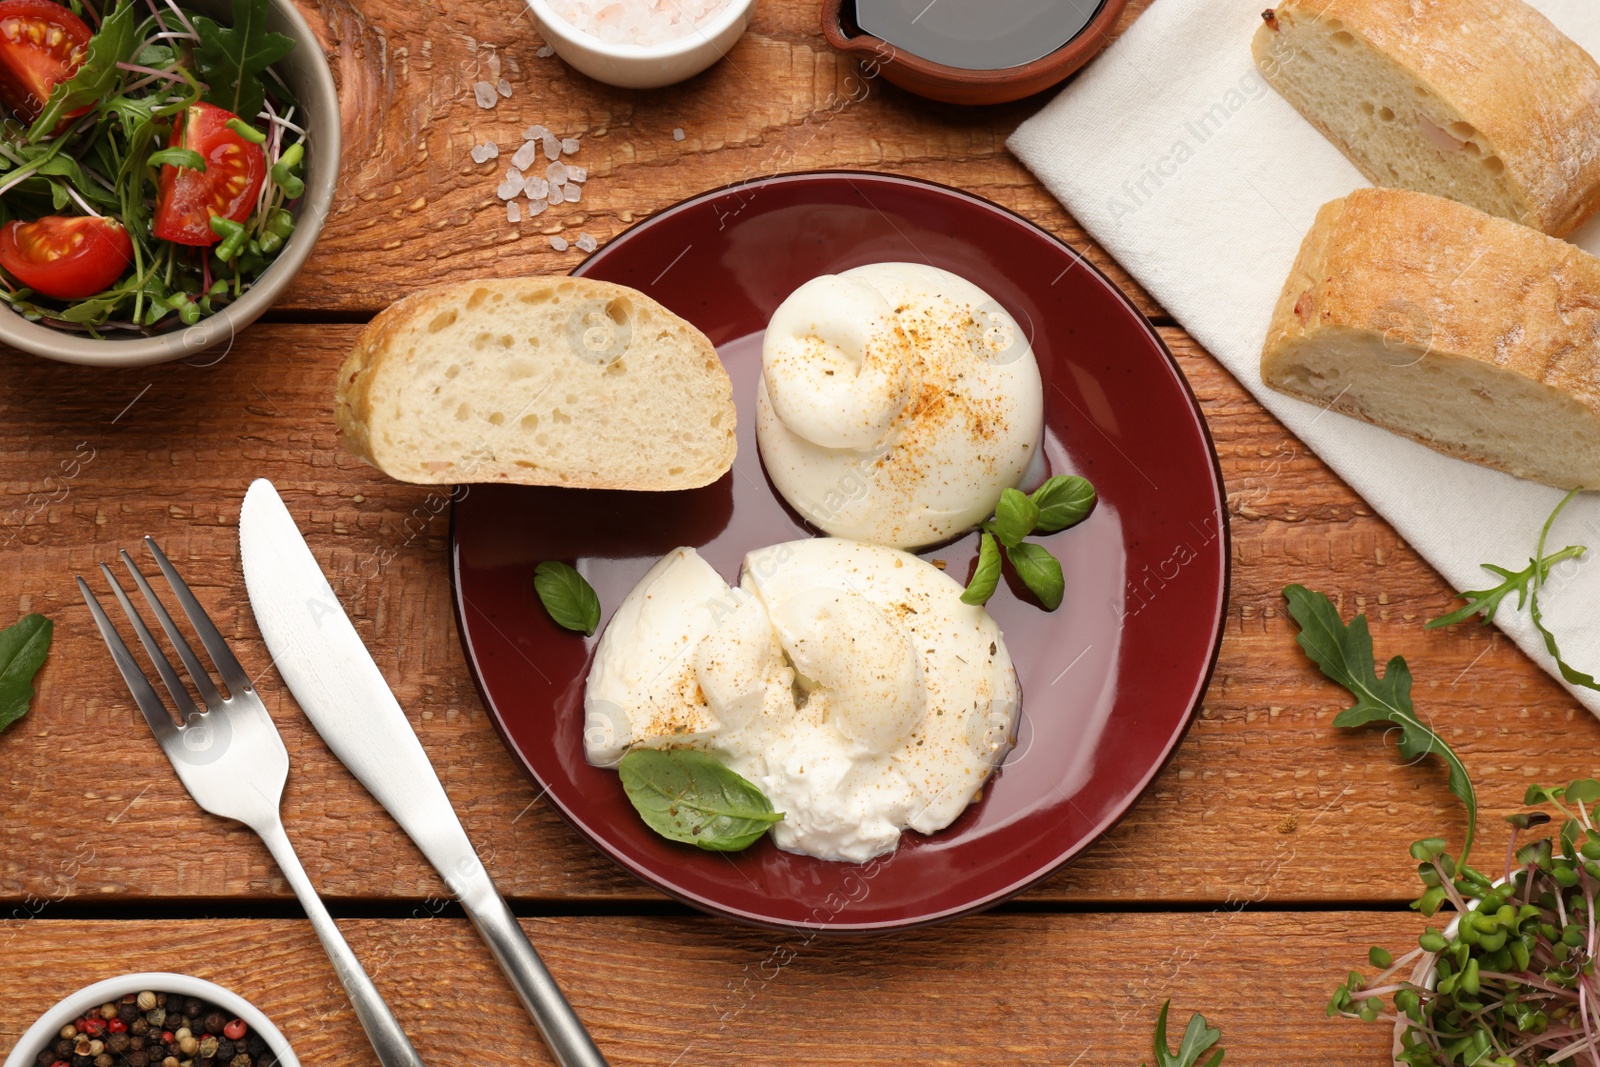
(1529, 90)
(378, 346)
(1431, 279)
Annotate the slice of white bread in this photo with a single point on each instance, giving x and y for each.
(537, 381)
(1482, 101)
(1471, 334)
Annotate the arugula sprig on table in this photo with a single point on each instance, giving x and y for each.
(1197, 1039)
(1526, 583)
(1063, 501)
(1344, 653)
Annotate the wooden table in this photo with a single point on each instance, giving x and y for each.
(1260, 866)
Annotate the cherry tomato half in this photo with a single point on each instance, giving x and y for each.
(41, 45)
(229, 186)
(68, 258)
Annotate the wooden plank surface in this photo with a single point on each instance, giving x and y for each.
(169, 450)
(414, 209)
(1014, 989)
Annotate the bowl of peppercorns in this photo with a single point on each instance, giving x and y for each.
(153, 1020)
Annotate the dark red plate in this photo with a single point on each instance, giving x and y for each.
(1110, 681)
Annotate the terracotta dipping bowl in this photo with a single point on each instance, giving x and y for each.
(953, 85)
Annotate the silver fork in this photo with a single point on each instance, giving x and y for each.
(233, 763)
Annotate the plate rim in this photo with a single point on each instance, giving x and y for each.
(1060, 859)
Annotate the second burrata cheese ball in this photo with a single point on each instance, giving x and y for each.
(896, 402)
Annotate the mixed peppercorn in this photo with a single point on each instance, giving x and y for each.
(157, 1030)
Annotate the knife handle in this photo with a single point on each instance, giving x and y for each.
(563, 1031)
(394, 1049)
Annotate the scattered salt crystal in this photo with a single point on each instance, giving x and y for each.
(556, 173)
(677, 133)
(638, 22)
(480, 154)
(552, 147)
(513, 174)
(536, 187)
(504, 87)
(508, 189)
(534, 133)
(535, 208)
(513, 211)
(569, 145)
(526, 155)
(573, 193)
(494, 64)
(586, 243)
(558, 243)
(546, 52)
(557, 198)
(491, 151)
(486, 95)
(577, 174)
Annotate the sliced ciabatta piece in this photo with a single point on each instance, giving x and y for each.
(1482, 101)
(1469, 333)
(537, 381)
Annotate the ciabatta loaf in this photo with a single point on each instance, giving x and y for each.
(1482, 101)
(1468, 333)
(537, 381)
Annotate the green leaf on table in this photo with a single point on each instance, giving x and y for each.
(570, 600)
(689, 796)
(113, 43)
(1345, 655)
(231, 59)
(986, 576)
(1039, 571)
(1063, 501)
(23, 646)
(1197, 1039)
(1014, 517)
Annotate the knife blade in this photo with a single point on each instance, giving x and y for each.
(336, 683)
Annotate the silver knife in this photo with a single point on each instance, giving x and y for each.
(334, 680)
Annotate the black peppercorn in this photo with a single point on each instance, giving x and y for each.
(46, 1058)
(214, 1022)
(138, 1059)
(117, 1043)
(193, 1006)
(127, 1011)
(254, 1045)
(225, 1050)
(63, 1049)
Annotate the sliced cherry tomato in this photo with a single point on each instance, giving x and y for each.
(41, 45)
(228, 187)
(67, 258)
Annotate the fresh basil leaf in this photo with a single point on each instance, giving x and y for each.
(1063, 501)
(23, 646)
(114, 43)
(986, 577)
(178, 157)
(689, 796)
(230, 59)
(1014, 517)
(1197, 1039)
(569, 599)
(1344, 653)
(1039, 571)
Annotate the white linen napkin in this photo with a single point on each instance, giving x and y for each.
(1201, 180)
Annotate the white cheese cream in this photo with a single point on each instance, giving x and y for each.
(896, 401)
(848, 681)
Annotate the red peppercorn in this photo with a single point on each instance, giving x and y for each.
(61, 1063)
(117, 1026)
(93, 1026)
(166, 1036)
(234, 1030)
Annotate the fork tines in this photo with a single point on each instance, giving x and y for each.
(155, 712)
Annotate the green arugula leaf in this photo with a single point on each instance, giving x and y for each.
(1571, 674)
(570, 600)
(1486, 602)
(1063, 501)
(178, 157)
(23, 646)
(1014, 517)
(231, 59)
(1344, 653)
(1039, 571)
(1197, 1038)
(986, 577)
(689, 796)
(113, 43)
